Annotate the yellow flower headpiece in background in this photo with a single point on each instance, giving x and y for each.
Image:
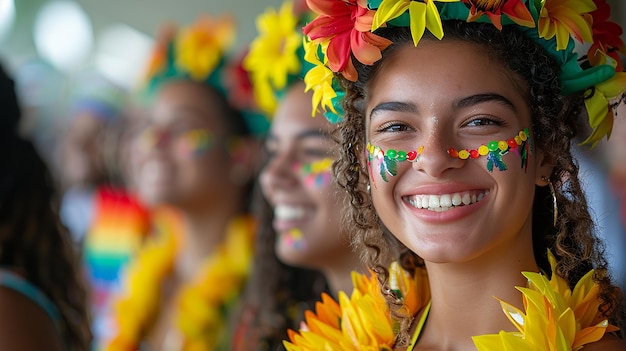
(277, 59)
(345, 30)
(197, 52)
(273, 55)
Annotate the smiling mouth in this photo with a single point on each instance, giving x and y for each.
(444, 202)
(289, 213)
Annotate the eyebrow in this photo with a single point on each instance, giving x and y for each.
(487, 97)
(400, 106)
(393, 106)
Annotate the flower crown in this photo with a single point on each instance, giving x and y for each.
(276, 58)
(345, 29)
(200, 53)
(197, 53)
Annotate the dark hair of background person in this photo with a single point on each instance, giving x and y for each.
(32, 239)
(276, 294)
(572, 240)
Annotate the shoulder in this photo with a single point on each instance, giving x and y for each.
(609, 342)
(24, 325)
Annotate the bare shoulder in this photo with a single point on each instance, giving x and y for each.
(608, 343)
(24, 325)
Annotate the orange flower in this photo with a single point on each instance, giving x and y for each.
(515, 10)
(345, 25)
(561, 18)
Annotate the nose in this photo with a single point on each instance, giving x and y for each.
(278, 173)
(435, 160)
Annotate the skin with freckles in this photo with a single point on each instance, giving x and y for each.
(472, 110)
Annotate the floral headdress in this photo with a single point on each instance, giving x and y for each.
(276, 58)
(345, 29)
(199, 53)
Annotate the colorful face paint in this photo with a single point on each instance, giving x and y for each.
(190, 143)
(316, 173)
(294, 238)
(521, 145)
(388, 161)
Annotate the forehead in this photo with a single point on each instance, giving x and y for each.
(183, 101)
(438, 71)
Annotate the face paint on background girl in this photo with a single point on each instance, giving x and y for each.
(191, 143)
(294, 238)
(315, 174)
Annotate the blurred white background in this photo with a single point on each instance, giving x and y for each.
(111, 36)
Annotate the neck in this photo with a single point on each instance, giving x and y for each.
(339, 274)
(463, 296)
(204, 231)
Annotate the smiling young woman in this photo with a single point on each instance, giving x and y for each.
(456, 140)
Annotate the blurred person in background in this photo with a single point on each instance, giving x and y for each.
(301, 251)
(192, 158)
(43, 303)
(107, 222)
(87, 149)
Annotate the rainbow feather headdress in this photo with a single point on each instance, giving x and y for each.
(200, 53)
(277, 58)
(345, 30)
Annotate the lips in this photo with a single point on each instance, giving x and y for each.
(444, 202)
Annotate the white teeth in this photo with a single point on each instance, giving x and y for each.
(433, 201)
(456, 199)
(466, 199)
(288, 212)
(445, 202)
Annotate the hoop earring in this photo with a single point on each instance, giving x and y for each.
(555, 209)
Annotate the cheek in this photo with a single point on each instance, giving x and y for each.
(293, 240)
(314, 175)
(316, 181)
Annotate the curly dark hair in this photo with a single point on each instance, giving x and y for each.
(32, 239)
(554, 116)
(276, 294)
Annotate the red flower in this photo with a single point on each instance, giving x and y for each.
(514, 9)
(606, 37)
(346, 25)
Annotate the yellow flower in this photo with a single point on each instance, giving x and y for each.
(556, 318)
(319, 79)
(200, 47)
(423, 15)
(361, 322)
(598, 107)
(273, 54)
(561, 18)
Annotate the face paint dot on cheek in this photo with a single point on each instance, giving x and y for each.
(387, 161)
(294, 239)
(494, 150)
(194, 143)
(315, 174)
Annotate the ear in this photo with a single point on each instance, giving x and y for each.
(545, 166)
